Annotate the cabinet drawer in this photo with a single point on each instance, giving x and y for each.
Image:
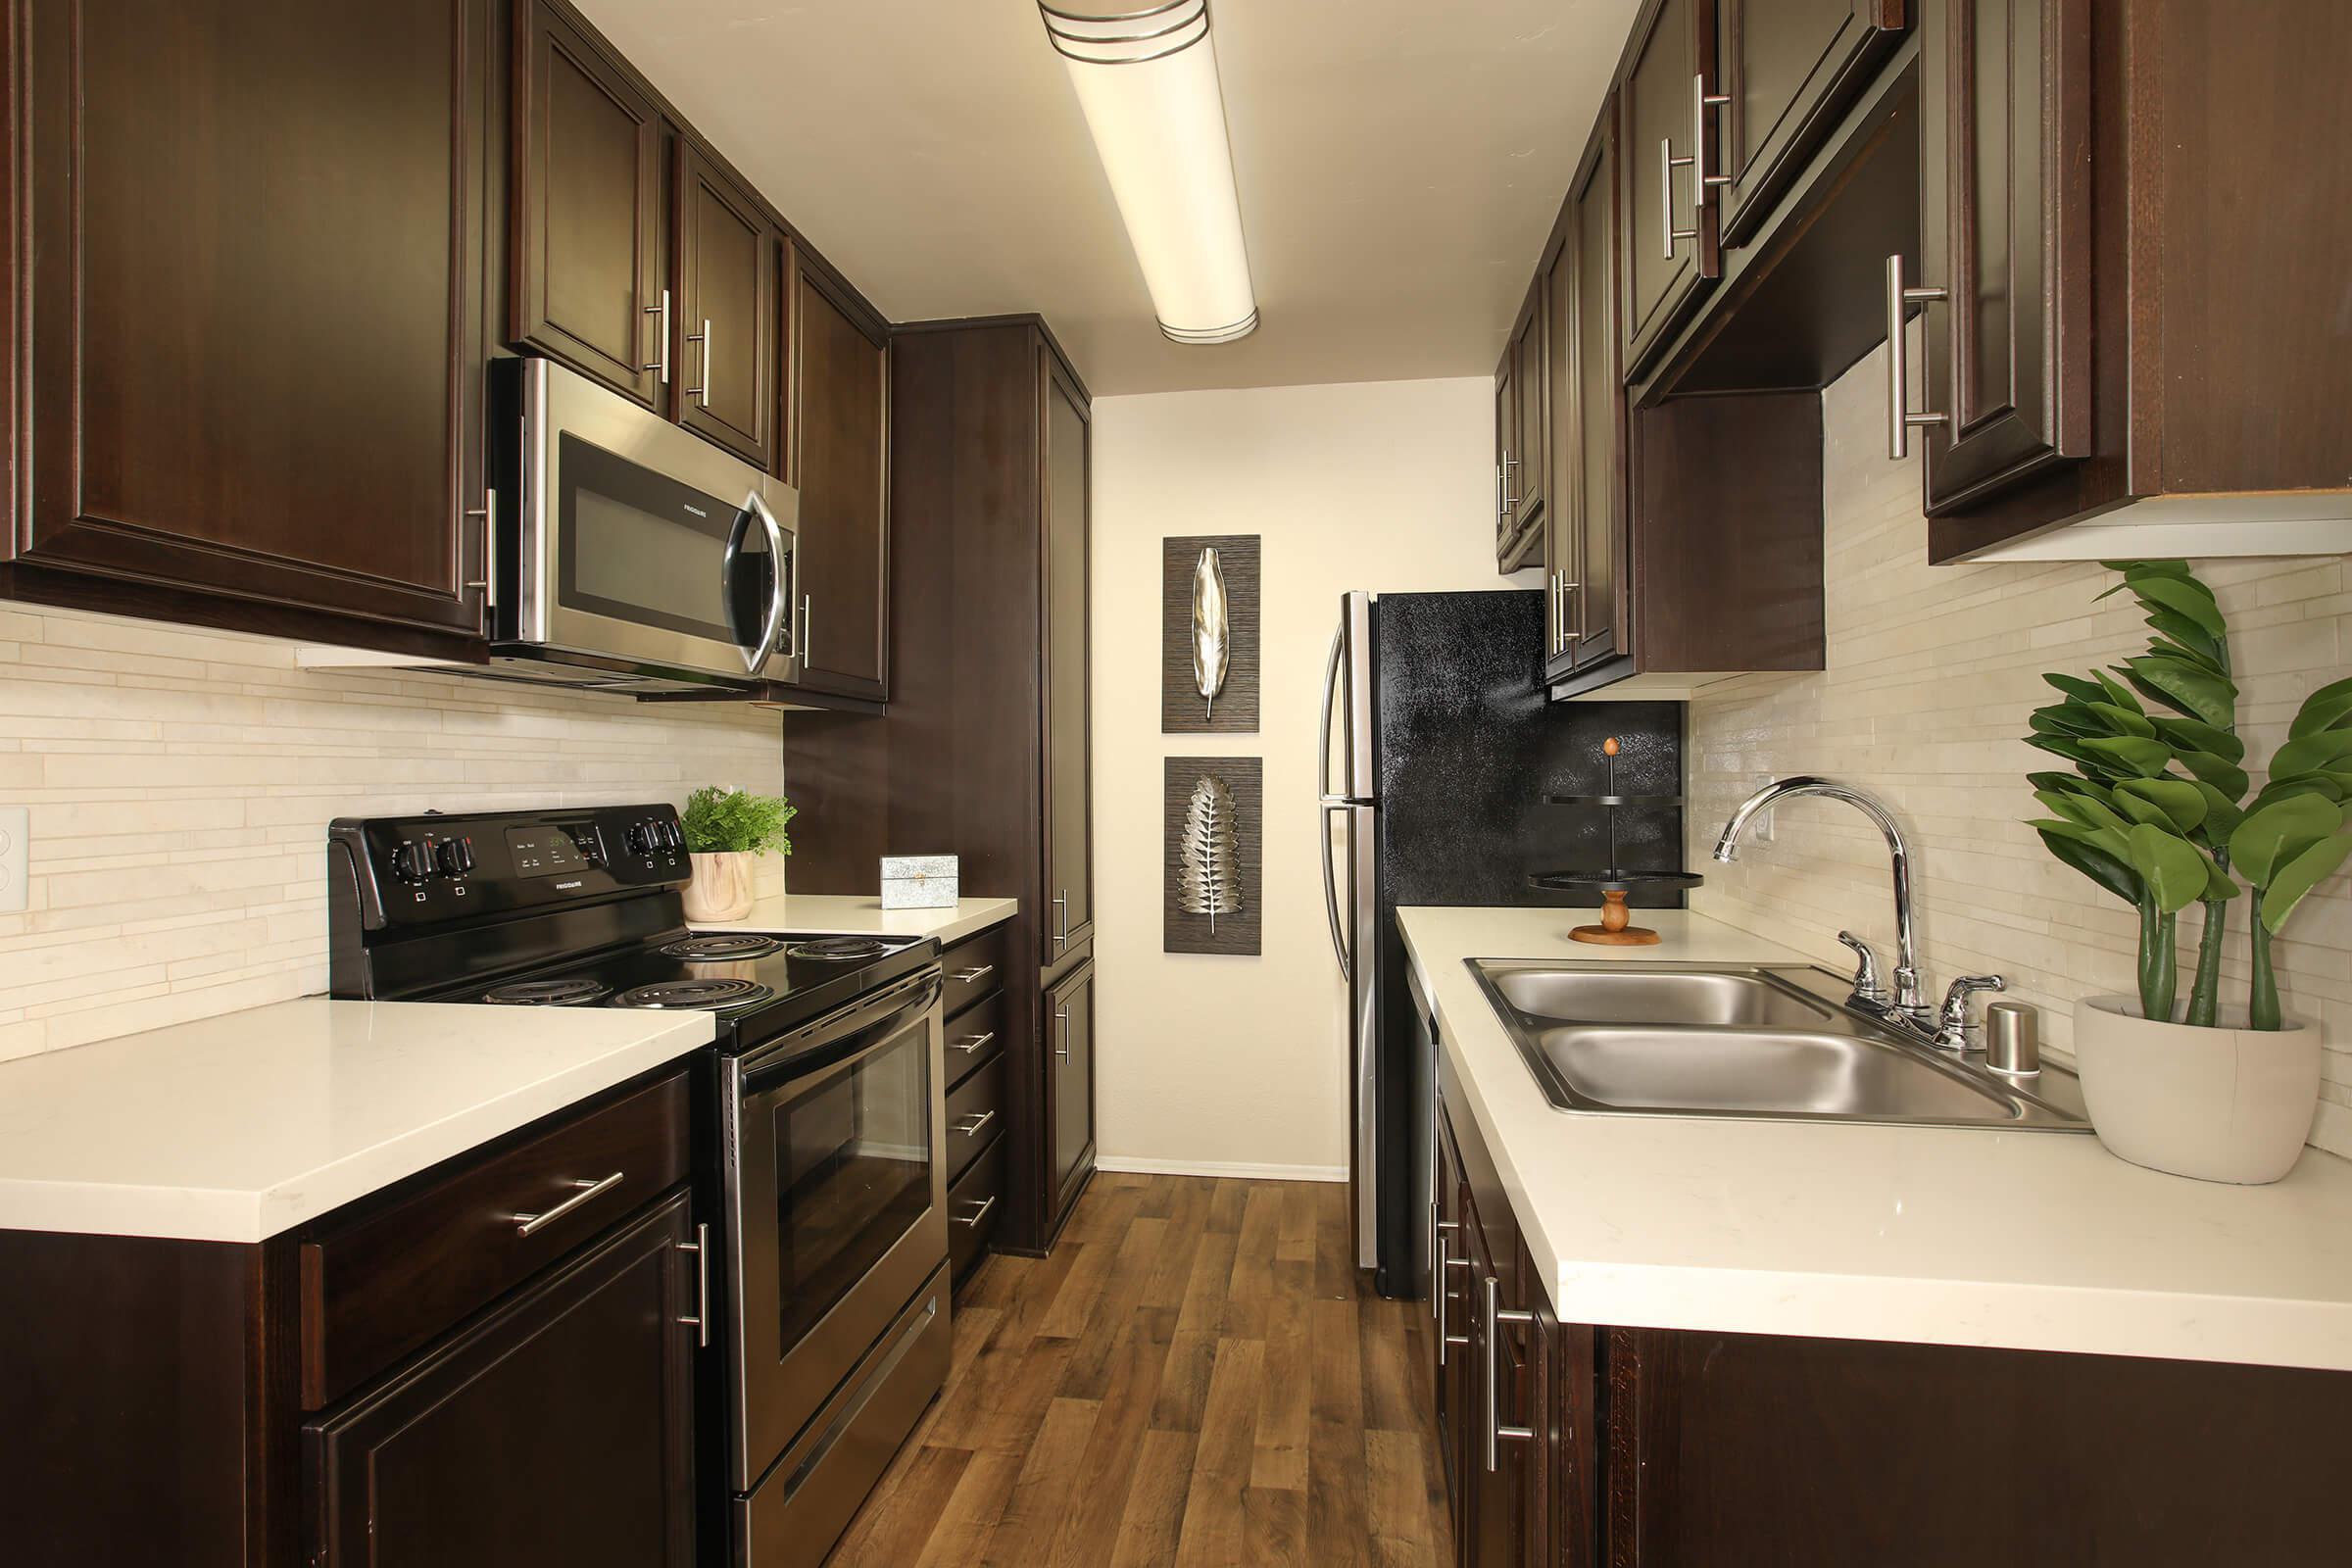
(385, 1282)
(975, 1115)
(974, 968)
(975, 1038)
(972, 1207)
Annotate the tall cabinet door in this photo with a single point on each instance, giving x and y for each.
(1531, 480)
(253, 240)
(2004, 229)
(1587, 526)
(1556, 275)
(1069, 912)
(1070, 1084)
(1670, 236)
(727, 336)
(591, 221)
(1506, 455)
(841, 384)
(556, 1432)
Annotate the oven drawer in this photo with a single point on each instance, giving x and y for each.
(798, 1509)
(975, 1115)
(972, 1206)
(976, 967)
(380, 1285)
(975, 1039)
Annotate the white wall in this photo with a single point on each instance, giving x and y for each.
(179, 784)
(1213, 1061)
(1932, 673)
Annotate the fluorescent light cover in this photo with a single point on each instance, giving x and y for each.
(1147, 83)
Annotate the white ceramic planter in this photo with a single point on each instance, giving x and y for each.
(2227, 1105)
(721, 889)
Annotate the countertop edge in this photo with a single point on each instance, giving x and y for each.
(855, 914)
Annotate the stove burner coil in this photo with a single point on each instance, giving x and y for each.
(838, 949)
(738, 944)
(704, 994)
(572, 992)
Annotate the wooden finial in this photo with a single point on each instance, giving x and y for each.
(1609, 746)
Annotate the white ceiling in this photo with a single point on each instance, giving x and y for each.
(1399, 164)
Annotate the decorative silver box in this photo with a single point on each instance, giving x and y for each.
(919, 881)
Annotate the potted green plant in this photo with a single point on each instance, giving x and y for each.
(725, 828)
(2156, 813)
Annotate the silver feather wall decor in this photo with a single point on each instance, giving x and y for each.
(1209, 861)
(1212, 628)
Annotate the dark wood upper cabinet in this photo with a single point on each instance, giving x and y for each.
(1788, 70)
(840, 381)
(1070, 1084)
(1669, 235)
(1584, 532)
(251, 261)
(2004, 225)
(1064, 424)
(590, 190)
(726, 297)
(558, 1430)
(1531, 479)
(1506, 436)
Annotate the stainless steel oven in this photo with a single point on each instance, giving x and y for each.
(640, 557)
(835, 1185)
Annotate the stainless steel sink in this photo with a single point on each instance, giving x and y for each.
(1767, 1042)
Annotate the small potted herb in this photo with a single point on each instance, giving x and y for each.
(725, 828)
(2155, 812)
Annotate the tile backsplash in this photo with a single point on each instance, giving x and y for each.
(1932, 673)
(179, 785)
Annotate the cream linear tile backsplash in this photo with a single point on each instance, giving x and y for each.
(181, 783)
(1932, 671)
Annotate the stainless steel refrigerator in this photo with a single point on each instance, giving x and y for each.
(1438, 748)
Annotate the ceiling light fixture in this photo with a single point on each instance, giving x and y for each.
(1147, 83)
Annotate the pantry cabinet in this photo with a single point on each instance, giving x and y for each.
(1070, 1084)
(590, 186)
(250, 258)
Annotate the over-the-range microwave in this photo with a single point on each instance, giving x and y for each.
(628, 555)
(638, 555)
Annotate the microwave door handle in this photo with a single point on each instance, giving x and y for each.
(779, 599)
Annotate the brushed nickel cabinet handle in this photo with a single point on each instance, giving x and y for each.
(1667, 233)
(700, 1247)
(978, 1214)
(661, 338)
(1702, 101)
(703, 392)
(968, 1046)
(487, 582)
(974, 976)
(1495, 1430)
(1061, 902)
(526, 1224)
(971, 1126)
(1899, 418)
(1061, 1015)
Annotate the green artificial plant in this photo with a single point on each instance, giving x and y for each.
(720, 821)
(2155, 810)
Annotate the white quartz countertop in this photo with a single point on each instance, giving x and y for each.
(2023, 1240)
(848, 915)
(238, 1127)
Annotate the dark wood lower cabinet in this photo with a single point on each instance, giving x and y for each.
(1683, 1449)
(555, 1433)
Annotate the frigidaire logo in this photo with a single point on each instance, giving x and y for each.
(566, 887)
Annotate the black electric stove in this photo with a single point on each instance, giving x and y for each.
(573, 909)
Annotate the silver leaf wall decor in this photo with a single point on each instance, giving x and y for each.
(1212, 628)
(1210, 874)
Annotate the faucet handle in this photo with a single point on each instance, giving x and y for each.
(1954, 1029)
(1868, 987)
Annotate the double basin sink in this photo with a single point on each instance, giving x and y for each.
(1769, 1042)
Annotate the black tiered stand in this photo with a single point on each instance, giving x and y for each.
(1614, 883)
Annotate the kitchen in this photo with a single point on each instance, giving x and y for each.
(1095, 448)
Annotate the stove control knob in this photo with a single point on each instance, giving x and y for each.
(411, 861)
(642, 837)
(455, 857)
(673, 835)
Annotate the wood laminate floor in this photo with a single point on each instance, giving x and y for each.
(1194, 1377)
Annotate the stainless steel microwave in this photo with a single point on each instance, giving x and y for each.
(639, 557)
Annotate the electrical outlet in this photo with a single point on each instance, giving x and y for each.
(16, 849)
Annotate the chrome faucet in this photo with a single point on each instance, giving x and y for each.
(1907, 1006)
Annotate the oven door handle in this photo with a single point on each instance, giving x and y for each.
(841, 1037)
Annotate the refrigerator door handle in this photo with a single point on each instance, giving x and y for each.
(1330, 896)
(1331, 682)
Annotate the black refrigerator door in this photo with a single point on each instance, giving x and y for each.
(1466, 748)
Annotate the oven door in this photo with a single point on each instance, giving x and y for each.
(837, 1196)
(643, 543)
